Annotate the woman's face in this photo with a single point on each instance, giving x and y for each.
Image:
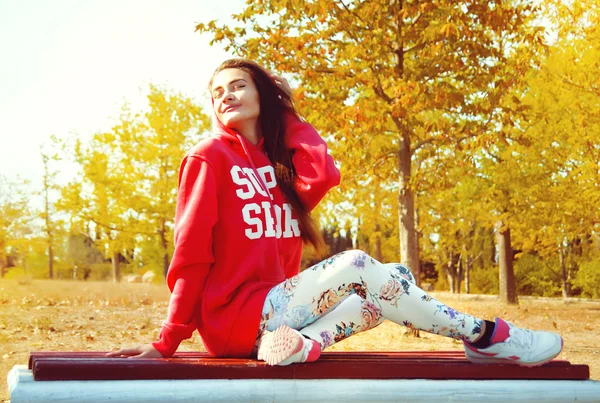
(235, 98)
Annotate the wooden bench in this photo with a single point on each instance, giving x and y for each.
(336, 376)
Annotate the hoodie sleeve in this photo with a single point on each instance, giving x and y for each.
(195, 217)
(316, 172)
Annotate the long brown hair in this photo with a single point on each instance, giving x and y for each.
(274, 103)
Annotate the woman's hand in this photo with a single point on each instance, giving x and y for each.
(282, 83)
(140, 351)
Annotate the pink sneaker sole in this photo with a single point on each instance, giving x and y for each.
(538, 364)
(490, 360)
(279, 345)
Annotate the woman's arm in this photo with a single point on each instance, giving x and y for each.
(316, 172)
(195, 217)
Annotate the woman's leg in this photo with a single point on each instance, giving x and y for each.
(385, 291)
(390, 289)
(352, 316)
(277, 310)
(351, 292)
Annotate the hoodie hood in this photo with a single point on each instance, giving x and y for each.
(240, 145)
(234, 137)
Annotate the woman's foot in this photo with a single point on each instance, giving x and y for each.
(285, 346)
(512, 345)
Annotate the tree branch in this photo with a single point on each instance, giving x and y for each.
(581, 87)
(382, 158)
(400, 48)
(115, 228)
(381, 93)
(352, 12)
(416, 47)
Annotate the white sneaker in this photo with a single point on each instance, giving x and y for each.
(513, 345)
(285, 346)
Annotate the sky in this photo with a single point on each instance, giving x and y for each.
(68, 66)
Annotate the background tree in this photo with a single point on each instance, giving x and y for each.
(563, 101)
(49, 185)
(128, 182)
(82, 252)
(490, 125)
(403, 78)
(15, 222)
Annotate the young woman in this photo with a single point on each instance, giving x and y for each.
(243, 213)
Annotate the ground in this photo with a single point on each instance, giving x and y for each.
(38, 315)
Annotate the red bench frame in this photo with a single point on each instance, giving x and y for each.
(53, 366)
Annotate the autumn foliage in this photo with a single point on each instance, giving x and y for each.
(467, 133)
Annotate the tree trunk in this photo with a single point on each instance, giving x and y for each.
(409, 243)
(409, 252)
(50, 259)
(377, 255)
(467, 274)
(464, 262)
(507, 282)
(164, 245)
(451, 272)
(460, 268)
(454, 271)
(563, 270)
(116, 268)
(450, 280)
(489, 248)
(3, 263)
(483, 242)
(459, 274)
(24, 262)
(48, 222)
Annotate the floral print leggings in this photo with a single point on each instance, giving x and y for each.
(351, 292)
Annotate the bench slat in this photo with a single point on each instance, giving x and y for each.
(193, 354)
(332, 365)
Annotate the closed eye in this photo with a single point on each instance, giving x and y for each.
(236, 84)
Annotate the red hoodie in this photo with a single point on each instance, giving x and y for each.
(236, 237)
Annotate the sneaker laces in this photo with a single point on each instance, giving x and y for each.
(520, 337)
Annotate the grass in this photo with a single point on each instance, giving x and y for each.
(58, 315)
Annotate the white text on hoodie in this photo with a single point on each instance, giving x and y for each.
(264, 219)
